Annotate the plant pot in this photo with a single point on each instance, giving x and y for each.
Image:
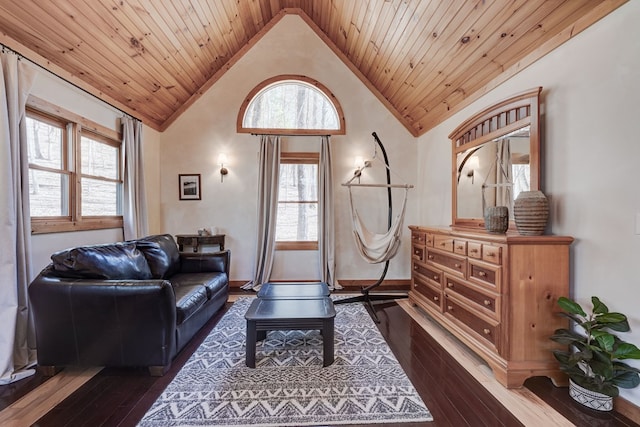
(590, 399)
(531, 212)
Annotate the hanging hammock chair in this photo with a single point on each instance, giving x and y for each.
(377, 248)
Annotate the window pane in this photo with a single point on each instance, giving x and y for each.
(298, 182)
(100, 198)
(99, 159)
(291, 105)
(297, 222)
(47, 193)
(45, 143)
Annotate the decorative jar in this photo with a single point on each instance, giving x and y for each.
(531, 213)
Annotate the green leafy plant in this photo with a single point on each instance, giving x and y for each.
(593, 359)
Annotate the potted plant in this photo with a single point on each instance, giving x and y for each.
(593, 361)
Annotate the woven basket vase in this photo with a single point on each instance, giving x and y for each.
(531, 213)
(496, 219)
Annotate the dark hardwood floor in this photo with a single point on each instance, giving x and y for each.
(120, 397)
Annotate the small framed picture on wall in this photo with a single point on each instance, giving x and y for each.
(189, 186)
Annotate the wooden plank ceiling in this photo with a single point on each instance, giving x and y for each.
(424, 59)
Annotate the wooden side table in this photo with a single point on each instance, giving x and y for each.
(195, 240)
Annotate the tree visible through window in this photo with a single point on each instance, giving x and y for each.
(297, 218)
(75, 180)
(294, 105)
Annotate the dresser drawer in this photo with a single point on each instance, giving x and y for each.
(433, 296)
(418, 237)
(417, 252)
(488, 331)
(487, 302)
(430, 273)
(429, 239)
(485, 275)
(455, 264)
(444, 243)
(492, 254)
(474, 250)
(460, 247)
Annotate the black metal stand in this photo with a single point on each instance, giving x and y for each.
(366, 296)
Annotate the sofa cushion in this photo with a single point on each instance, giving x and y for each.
(113, 261)
(212, 281)
(162, 255)
(189, 299)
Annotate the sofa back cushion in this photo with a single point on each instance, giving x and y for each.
(162, 255)
(113, 261)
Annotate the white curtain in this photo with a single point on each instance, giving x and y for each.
(135, 201)
(268, 180)
(17, 352)
(326, 232)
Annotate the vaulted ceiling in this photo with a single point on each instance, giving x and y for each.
(424, 59)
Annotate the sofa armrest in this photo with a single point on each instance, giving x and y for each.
(90, 322)
(203, 262)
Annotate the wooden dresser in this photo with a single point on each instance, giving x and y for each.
(496, 293)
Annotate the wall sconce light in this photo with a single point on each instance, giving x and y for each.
(473, 165)
(222, 159)
(360, 163)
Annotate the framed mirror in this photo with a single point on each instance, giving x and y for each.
(495, 156)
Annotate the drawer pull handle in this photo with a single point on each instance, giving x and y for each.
(487, 302)
(486, 331)
(482, 274)
(449, 308)
(457, 265)
(430, 257)
(460, 247)
(436, 298)
(415, 267)
(436, 278)
(491, 255)
(417, 252)
(450, 285)
(473, 251)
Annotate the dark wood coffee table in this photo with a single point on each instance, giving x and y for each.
(292, 290)
(286, 314)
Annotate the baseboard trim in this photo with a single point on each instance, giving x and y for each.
(351, 284)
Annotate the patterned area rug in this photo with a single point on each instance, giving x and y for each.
(289, 387)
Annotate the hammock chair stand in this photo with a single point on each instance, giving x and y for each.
(367, 297)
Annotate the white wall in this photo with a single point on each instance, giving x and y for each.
(591, 151)
(193, 142)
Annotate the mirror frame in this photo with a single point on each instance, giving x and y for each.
(494, 121)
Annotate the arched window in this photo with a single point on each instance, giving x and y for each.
(294, 105)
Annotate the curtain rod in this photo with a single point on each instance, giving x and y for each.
(284, 134)
(6, 48)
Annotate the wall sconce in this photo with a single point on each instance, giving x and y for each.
(222, 159)
(473, 165)
(360, 163)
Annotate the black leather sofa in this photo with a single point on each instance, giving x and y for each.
(126, 304)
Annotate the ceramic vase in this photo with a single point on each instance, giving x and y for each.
(590, 399)
(496, 219)
(531, 213)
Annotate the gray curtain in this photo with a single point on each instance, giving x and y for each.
(268, 177)
(135, 200)
(17, 342)
(326, 231)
